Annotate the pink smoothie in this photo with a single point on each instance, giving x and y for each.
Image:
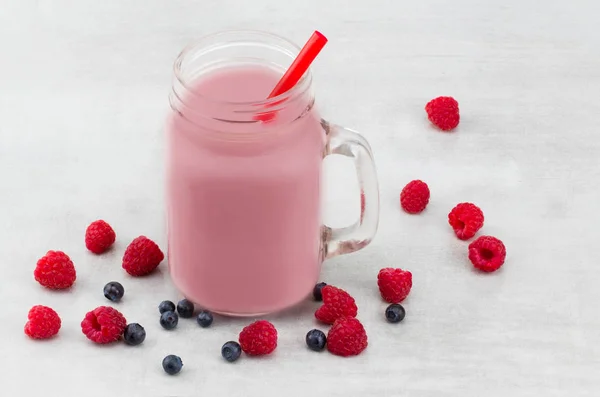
(243, 197)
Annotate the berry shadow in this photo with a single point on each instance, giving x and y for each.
(65, 291)
(266, 357)
(112, 249)
(303, 309)
(50, 340)
(119, 344)
(481, 273)
(157, 275)
(435, 129)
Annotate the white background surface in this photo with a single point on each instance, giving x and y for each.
(83, 95)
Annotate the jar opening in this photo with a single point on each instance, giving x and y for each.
(229, 49)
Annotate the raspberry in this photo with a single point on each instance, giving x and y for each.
(487, 253)
(55, 270)
(99, 236)
(43, 322)
(394, 284)
(466, 219)
(414, 197)
(258, 338)
(103, 325)
(443, 112)
(142, 256)
(347, 337)
(336, 303)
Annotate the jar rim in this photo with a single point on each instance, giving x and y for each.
(299, 89)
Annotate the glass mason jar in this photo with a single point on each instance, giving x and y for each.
(245, 235)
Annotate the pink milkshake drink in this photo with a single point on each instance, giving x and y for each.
(244, 196)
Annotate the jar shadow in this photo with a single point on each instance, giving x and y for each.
(301, 310)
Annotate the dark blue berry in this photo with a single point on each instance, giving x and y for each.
(185, 308)
(317, 292)
(172, 364)
(169, 320)
(231, 351)
(315, 340)
(205, 318)
(166, 306)
(114, 291)
(395, 313)
(134, 334)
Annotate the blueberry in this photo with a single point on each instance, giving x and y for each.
(185, 308)
(134, 334)
(231, 351)
(317, 292)
(166, 306)
(172, 364)
(394, 313)
(205, 318)
(315, 340)
(169, 320)
(114, 291)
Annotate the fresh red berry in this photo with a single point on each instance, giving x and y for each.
(347, 337)
(487, 253)
(258, 338)
(43, 322)
(55, 270)
(414, 197)
(466, 219)
(394, 284)
(99, 236)
(443, 112)
(103, 325)
(336, 303)
(142, 256)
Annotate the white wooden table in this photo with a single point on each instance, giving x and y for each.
(83, 95)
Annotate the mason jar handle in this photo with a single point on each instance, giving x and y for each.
(339, 241)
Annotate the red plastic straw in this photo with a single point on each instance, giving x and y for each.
(305, 57)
